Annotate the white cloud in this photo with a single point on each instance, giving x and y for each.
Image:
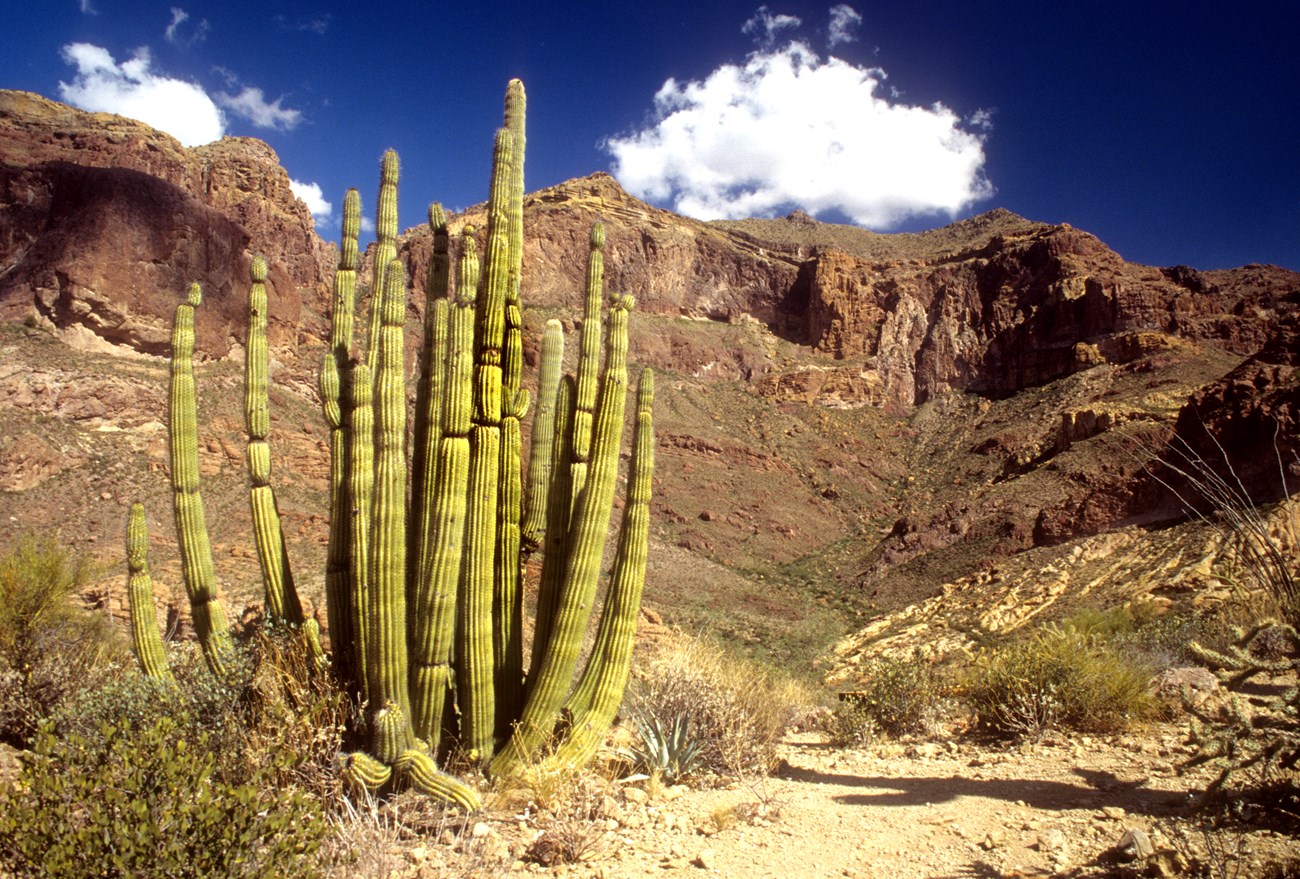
(312, 196)
(182, 109)
(174, 33)
(788, 130)
(765, 26)
(844, 22)
(251, 104)
(88, 8)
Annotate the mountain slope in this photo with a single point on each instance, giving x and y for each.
(850, 424)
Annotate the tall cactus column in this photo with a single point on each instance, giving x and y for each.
(475, 623)
(435, 607)
(145, 637)
(387, 660)
(336, 397)
(282, 602)
(183, 439)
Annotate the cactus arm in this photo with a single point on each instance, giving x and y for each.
(146, 640)
(385, 246)
(513, 356)
(282, 602)
(474, 611)
(361, 484)
(508, 595)
(539, 462)
(196, 551)
(586, 546)
(474, 614)
(588, 360)
(599, 693)
(428, 402)
(361, 770)
(435, 609)
(425, 777)
(557, 525)
(336, 395)
(387, 605)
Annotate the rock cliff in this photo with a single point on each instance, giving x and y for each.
(105, 221)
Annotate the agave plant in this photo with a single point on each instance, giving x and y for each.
(667, 750)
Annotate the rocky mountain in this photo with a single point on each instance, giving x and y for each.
(852, 426)
(103, 219)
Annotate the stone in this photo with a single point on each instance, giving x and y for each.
(1135, 845)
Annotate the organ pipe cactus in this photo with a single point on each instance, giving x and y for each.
(424, 586)
(197, 570)
(145, 637)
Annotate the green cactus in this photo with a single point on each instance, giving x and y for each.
(336, 400)
(145, 637)
(282, 603)
(424, 602)
(197, 571)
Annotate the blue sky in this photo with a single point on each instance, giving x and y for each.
(1170, 130)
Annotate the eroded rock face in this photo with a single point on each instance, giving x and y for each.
(1245, 428)
(104, 222)
(1023, 310)
(674, 265)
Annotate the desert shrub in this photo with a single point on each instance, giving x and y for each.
(50, 645)
(270, 717)
(148, 801)
(897, 696)
(1057, 678)
(572, 828)
(738, 710)
(1165, 641)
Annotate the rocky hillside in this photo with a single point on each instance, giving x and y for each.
(103, 219)
(851, 425)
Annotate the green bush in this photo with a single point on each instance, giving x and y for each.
(147, 800)
(898, 696)
(271, 715)
(1058, 678)
(50, 645)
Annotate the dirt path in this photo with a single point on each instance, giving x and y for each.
(1061, 806)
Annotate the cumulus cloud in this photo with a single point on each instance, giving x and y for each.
(844, 24)
(312, 196)
(787, 130)
(182, 109)
(178, 35)
(251, 104)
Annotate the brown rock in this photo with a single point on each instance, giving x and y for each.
(105, 221)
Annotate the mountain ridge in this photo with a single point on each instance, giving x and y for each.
(848, 425)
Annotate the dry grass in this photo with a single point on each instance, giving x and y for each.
(737, 709)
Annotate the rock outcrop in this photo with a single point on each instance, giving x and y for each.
(105, 221)
(1022, 310)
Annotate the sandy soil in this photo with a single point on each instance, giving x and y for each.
(1058, 807)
